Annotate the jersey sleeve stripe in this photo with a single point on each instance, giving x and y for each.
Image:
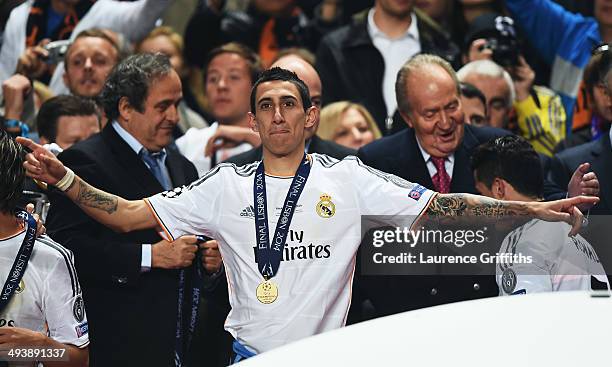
(420, 216)
(69, 264)
(169, 236)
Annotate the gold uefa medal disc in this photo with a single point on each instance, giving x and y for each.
(267, 292)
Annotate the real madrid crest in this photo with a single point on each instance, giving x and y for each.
(325, 207)
(508, 280)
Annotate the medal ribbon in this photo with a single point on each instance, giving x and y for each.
(269, 254)
(21, 260)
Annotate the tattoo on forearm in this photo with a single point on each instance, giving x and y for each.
(456, 205)
(94, 198)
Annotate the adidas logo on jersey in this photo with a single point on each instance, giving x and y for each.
(248, 212)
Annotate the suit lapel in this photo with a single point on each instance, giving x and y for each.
(175, 168)
(127, 159)
(409, 163)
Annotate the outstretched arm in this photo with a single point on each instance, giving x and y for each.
(457, 205)
(111, 210)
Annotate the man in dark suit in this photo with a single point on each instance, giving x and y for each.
(435, 152)
(314, 144)
(130, 281)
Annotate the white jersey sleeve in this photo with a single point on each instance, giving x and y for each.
(63, 304)
(385, 194)
(190, 209)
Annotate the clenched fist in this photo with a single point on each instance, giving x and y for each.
(174, 255)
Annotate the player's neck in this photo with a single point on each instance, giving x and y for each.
(282, 165)
(9, 225)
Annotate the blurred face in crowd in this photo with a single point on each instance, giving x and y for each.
(395, 8)
(474, 111)
(497, 93)
(436, 113)
(164, 45)
(153, 127)
(88, 63)
(280, 118)
(353, 131)
(274, 7)
(73, 129)
(310, 77)
(602, 101)
(228, 88)
(603, 12)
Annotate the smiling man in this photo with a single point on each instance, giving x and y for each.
(301, 211)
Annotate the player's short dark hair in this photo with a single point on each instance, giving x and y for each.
(277, 73)
(131, 78)
(12, 173)
(470, 91)
(252, 59)
(513, 159)
(62, 105)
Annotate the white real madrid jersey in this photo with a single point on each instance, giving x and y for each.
(315, 277)
(49, 297)
(550, 262)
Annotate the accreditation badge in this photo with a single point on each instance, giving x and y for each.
(267, 292)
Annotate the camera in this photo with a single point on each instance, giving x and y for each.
(505, 50)
(57, 50)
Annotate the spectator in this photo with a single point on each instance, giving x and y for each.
(538, 111)
(601, 116)
(33, 23)
(313, 143)
(359, 62)
(496, 85)
(435, 151)
(474, 105)
(66, 120)
(230, 73)
(348, 124)
(565, 40)
(42, 304)
(170, 43)
(124, 272)
(266, 26)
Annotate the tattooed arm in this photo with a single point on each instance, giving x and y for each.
(457, 205)
(113, 211)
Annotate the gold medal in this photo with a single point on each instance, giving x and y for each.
(267, 292)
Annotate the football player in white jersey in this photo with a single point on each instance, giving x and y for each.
(42, 315)
(544, 258)
(310, 293)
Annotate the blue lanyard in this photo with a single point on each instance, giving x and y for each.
(269, 254)
(182, 337)
(21, 261)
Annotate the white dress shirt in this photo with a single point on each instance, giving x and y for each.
(449, 162)
(395, 52)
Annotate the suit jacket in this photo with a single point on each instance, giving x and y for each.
(317, 145)
(131, 314)
(352, 68)
(599, 154)
(399, 154)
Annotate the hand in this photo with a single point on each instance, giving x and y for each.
(479, 51)
(40, 226)
(32, 62)
(211, 257)
(14, 337)
(15, 90)
(174, 255)
(565, 210)
(41, 164)
(584, 183)
(523, 77)
(230, 136)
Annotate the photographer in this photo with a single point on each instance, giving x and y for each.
(537, 110)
